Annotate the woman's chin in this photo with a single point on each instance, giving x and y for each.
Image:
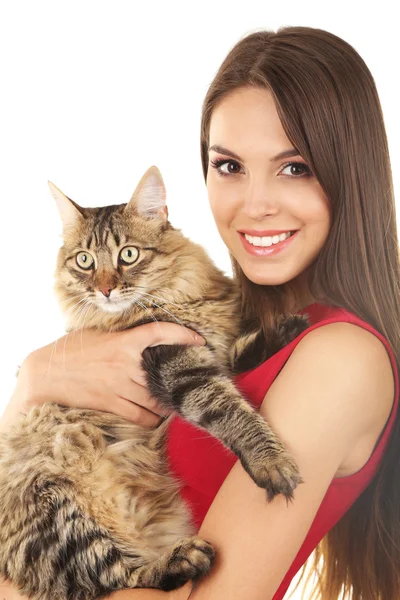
(261, 277)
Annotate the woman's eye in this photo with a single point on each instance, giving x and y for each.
(218, 164)
(296, 169)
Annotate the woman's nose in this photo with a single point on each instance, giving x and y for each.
(259, 202)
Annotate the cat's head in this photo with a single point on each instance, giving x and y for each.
(116, 259)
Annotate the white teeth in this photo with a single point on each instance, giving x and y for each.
(267, 240)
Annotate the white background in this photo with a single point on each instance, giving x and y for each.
(93, 93)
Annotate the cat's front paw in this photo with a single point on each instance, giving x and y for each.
(244, 354)
(190, 559)
(277, 473)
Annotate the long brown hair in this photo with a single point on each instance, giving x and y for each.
(329, 108)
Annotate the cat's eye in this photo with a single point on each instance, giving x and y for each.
(129, 255)
(84, 260)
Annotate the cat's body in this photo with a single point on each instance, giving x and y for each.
(87, 505)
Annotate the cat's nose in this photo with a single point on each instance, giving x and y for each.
(106, 291)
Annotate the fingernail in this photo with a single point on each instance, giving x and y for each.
(199, 339)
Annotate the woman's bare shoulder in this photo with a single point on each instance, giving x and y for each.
(339, 373)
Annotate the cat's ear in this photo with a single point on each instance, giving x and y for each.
(149, 198)
(70, 212)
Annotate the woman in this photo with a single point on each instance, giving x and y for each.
(292, 142)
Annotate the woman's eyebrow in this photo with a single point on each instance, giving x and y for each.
(285, 154)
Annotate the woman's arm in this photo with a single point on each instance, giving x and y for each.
(335, 391)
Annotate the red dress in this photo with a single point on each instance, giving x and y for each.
(202, 463)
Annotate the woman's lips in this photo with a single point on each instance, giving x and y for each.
(267, 250)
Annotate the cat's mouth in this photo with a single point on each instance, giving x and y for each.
(113, 304)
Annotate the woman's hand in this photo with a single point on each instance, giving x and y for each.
(8, 592)
(92, 369)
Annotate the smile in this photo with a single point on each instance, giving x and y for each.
(268, 245)
(268, 240)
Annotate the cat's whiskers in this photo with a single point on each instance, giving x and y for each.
(165, 310)
(86, 305)
(136, 301)
(73, 307)
(168, 291)
(73, 298)
(81, 309)
(82, 312)
(54, 345)
(82, 300)
(159, 306)
(53, 348)
(83, 328)
(162, 299)
(88, 295)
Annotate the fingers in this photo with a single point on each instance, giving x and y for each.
(134, 392)
(7, 590)
(155, 334)
(135, 413)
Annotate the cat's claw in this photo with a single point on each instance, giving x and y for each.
(190, 559)
(277, 475)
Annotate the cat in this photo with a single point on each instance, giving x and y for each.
(87, 505)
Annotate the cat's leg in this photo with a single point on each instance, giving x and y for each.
(188, 380)
(62, 553)
(251, 348)
(58, 551)
(190, 558)
(248, 351)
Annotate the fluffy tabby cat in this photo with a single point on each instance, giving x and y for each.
(87, 505)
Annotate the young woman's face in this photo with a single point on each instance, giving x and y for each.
(257, 194)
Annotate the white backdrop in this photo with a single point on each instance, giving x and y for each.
(93, 93)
